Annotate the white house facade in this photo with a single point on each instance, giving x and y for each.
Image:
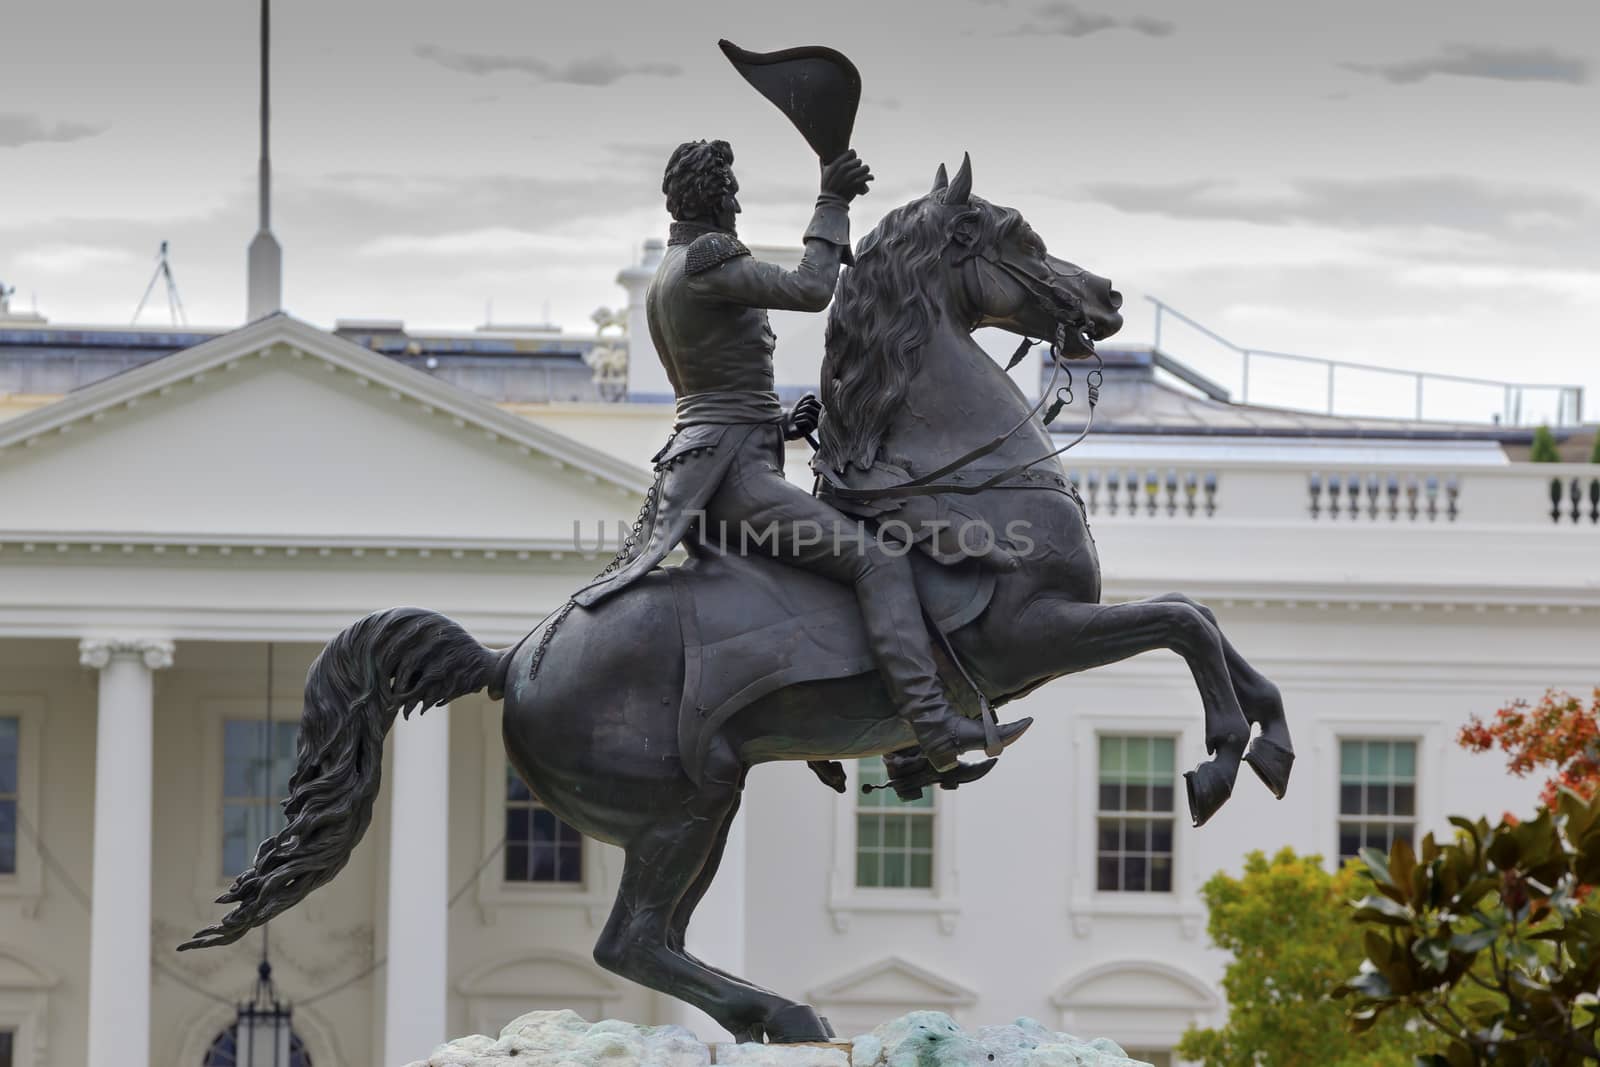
(177, 542)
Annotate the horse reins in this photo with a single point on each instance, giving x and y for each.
(929, 485)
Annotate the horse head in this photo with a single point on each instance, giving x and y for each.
(1008, 279)
(946, 258)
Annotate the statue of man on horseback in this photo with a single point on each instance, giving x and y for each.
(722, 468)
(635, 712)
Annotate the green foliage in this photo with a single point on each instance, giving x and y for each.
(1488, 940)
(1594, 453)
(1544, 447)
(1287, 925)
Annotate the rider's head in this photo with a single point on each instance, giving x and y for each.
(700, 185)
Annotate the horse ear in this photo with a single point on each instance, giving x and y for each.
(940, 179)
(961, 188)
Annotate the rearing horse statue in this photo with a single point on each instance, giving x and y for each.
(636, 720)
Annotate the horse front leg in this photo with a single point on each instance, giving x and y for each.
(1072, 637)
(1271, 754)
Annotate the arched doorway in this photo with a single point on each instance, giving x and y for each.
(224, 1050)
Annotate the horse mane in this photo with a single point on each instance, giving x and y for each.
(881, 316)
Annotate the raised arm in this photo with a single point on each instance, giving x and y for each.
(740, 278)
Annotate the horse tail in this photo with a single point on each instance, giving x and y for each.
(389, 662)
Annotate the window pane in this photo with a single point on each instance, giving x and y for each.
(1161, 798)
(241, 758)
(518, 827)
(867, 835)
(1110, 796)
(894, 868)
(1136, 835)
(1109, 870)
(516, 861)
(237, 848)
(1377, 799)
(1349, 799)
(1110, 837)
(9, 744)
(1378, 759)
(922, 871)
(1163, 754)
(894, 832)
(1405, 800)
(1161, 835)
(867, 870)
(1161, 874)
(1405, 759)
(1138, 759)
(1351, 759)
(922, 833)
(1134, 872)
(1111, 765)
(8, 839)
(1137, 798)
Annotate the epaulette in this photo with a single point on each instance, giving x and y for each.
(712, 250)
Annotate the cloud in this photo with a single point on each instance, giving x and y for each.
(1447, 202)
(1068, 20)
(1471, 61)
(593, 71)
(62, 258)
(17, 130)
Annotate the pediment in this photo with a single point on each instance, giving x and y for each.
(1135, 984)
(539, 974)
(280, 430)
(894, 981)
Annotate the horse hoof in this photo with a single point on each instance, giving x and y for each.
(796, 1023)
(1209, 788)
(1272, 763)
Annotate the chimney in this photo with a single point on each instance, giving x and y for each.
(266, 258)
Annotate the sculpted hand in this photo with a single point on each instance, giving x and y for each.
(802, 419)
(846, 177)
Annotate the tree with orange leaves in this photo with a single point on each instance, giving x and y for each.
(1559, 735)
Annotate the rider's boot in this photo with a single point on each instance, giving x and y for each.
(900, 643)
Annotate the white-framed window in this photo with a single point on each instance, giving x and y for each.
(1134, 821)
(10, 776)
(894, 837)
(539, 846)
(1377, 793)
(891, 857)
(543, 863)
(21, 867)
(256, 765)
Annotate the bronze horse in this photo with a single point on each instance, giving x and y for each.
(591, 718)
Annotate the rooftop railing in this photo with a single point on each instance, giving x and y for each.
(1341, 387)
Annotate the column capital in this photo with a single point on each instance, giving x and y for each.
(99, 652)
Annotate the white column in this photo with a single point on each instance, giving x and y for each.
(716, 932)
(124, 784)
(647, 378)
(419, 859)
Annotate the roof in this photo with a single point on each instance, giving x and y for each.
(1143, 392)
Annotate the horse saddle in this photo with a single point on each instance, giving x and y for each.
(790, 626)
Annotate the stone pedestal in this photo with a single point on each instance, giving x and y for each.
(921, 1039)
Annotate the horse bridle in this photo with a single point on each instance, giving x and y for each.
(1067, 316)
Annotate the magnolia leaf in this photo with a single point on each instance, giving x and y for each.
(1380, 909)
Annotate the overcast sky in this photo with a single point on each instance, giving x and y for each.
(1414, 184)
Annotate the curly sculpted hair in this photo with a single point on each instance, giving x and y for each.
(698, 176)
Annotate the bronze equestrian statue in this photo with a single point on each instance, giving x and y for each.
(963, 575)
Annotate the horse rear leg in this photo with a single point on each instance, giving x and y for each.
(663, 864)
(1271, 754)
(1079, 637)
